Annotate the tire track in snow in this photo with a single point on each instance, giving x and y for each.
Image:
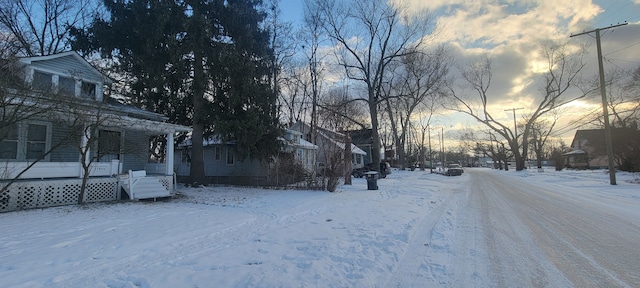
(411, 270)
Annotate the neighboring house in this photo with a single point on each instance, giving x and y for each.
(305, 152)
(70, 92)
(364, 140)
(330, 143)
(223, 164)
(589, 149)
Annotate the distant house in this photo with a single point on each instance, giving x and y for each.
(224, 165)
(363, 139)
(330, 143)
(41, 154)
(589, 149)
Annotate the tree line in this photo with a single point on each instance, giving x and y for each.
(235, 68)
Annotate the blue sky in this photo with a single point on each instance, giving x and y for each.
(511, 32)
(615, 11)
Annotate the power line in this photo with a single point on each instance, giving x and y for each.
(616, 51)
(615, 9)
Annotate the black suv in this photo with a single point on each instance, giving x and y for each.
(385, 168)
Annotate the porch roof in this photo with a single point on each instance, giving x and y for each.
(574, 152)
(144, 124)
(307, 145)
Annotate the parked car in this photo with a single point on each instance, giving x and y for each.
(385, 169)
(454, 170)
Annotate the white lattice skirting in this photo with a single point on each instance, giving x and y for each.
(47, 193)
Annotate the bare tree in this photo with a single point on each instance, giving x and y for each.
(293, 98)
(420, 78)
(339, 112)
(623, 98)
(281, 42)
(425, 115)
(41, 27)
(540, 132)
(562, 74)
(369, 36)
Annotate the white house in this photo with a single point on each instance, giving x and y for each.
(40, 153)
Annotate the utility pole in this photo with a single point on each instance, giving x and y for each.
(515, 125)
(515, 131)
(443, 157)
(430, 153)
(605, 105)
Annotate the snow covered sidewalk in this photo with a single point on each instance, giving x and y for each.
(224, 237)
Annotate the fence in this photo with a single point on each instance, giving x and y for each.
(53, 192)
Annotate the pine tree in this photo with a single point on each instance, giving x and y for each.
(203, 63)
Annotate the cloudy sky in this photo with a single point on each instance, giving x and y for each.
(511, 33)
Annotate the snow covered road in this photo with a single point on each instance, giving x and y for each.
(542, 235)
(486, 228)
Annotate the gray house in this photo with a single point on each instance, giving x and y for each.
(223, 164)
(65, 121)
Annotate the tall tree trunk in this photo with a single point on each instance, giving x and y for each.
(197, 163)
(347, 159)
(375, 146)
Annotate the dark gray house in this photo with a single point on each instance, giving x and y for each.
(589, 149)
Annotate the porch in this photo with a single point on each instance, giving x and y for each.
(48, 184)
(41, 193)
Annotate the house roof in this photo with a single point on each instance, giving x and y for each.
(207, 141)
(117, 106)
(307, 145)
(333, 137)
(217, 140)
(113, 120)
(69, 55)
(596, 137)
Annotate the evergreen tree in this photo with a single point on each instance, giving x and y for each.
(203, 63)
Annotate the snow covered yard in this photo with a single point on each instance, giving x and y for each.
(236, 237)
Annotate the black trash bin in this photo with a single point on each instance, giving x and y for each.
(372, 180)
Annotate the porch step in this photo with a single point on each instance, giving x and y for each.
(149, 187)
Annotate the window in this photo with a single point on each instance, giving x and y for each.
(36, 141)
(9, 136)
(230, 156)
(88, 90)
(66, 86)
(217, 153)
(108, 145)
(25, 141)
(42, 81)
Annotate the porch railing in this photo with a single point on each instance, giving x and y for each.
(45, 170)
